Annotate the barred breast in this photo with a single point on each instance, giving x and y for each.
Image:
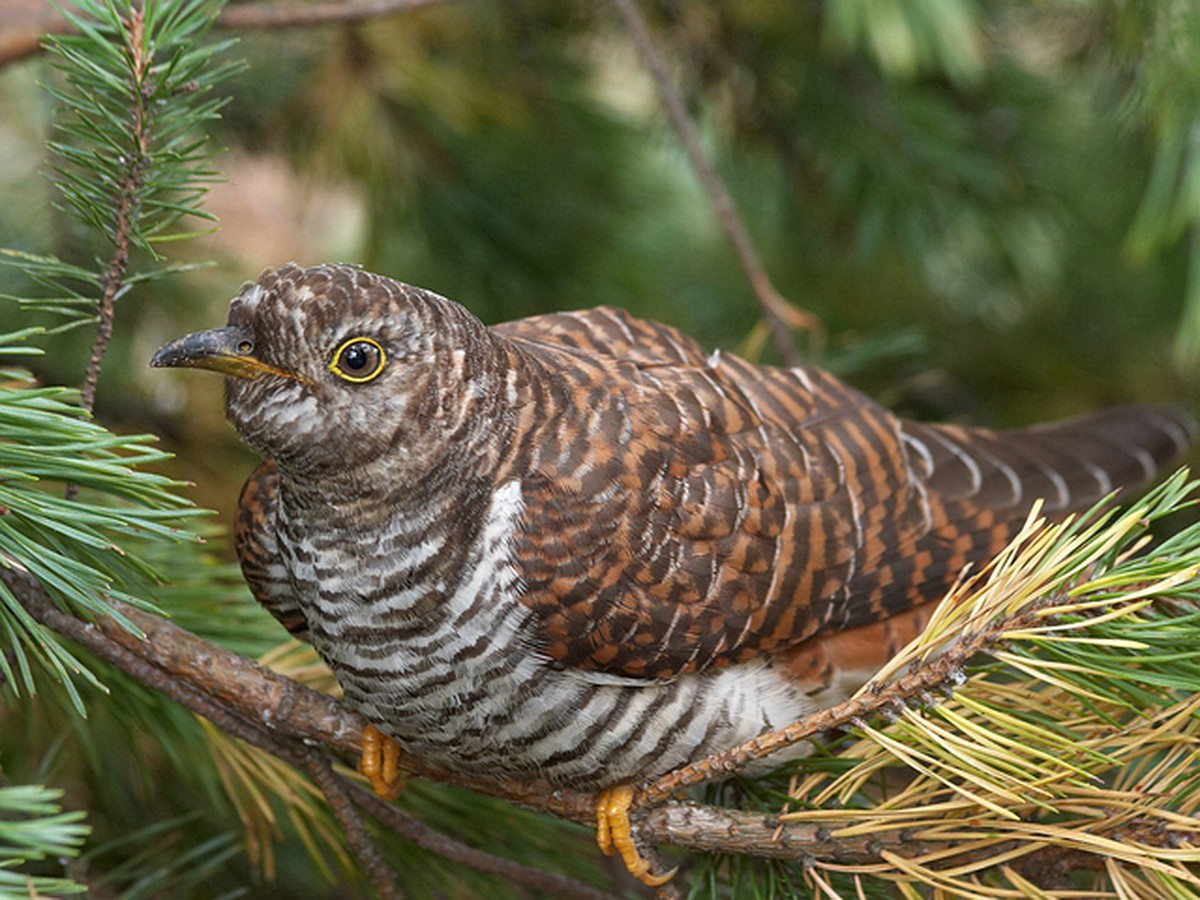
(429, 637)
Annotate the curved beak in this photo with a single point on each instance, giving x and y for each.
(228, 350)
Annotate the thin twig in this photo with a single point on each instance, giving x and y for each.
(126, 211)
(240, 17)
(291, 15)
(927, 679)
(337, 794)
(310, 760)
(420, 834)
(780, 315)
(271, 711)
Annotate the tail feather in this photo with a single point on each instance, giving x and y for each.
(1070, 465)
(981, 485)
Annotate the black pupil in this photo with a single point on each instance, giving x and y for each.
(356, 356)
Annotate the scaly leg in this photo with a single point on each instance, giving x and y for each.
(613, 833)
(380, 762)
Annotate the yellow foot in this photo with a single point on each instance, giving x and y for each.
(613, 833)
(380, 762)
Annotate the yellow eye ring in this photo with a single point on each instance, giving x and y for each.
(358, 360)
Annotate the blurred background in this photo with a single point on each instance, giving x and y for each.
(990, 206)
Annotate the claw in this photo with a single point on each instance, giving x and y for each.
(613, 832)
(380, 763)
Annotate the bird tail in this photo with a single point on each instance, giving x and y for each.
(981, 485)
(1071, 464)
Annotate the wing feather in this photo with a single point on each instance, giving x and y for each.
(258, 550)
(683, 511)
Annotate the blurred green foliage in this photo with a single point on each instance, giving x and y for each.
(989, 205)
(992, 206)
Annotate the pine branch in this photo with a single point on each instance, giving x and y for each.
(69, 546)
(130, 162)
(395, 820)
(248, 702)
(1082, 746)
(338, 796)
(283, 718)
(1051, 582)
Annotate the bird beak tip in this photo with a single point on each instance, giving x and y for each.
(226, 350)
(214, 349)
(160, 359)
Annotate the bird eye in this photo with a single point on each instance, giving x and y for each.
(358, 359)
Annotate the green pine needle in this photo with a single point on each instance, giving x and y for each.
(76, 549)
(132, 154)
(33, 828)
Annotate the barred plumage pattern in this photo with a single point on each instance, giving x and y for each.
(578, 546)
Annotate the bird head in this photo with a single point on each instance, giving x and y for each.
(329, 367)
